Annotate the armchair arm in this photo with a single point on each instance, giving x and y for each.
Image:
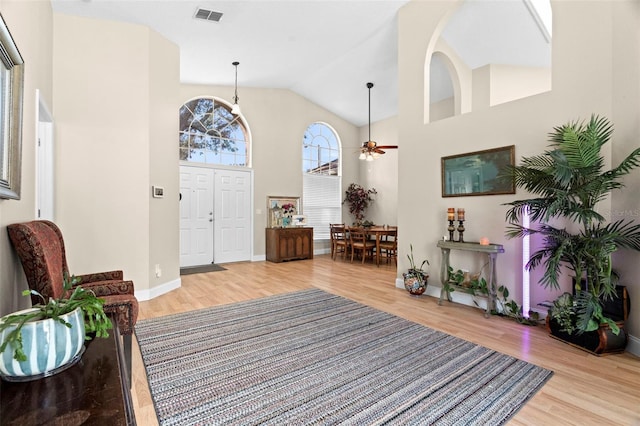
(100, 276)
(109, 287)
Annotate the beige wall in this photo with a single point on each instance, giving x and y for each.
(585, 38)
(115, 137)
(278, 119)
(36, 49)
(626, 115)
(164, 233)
(381, 174)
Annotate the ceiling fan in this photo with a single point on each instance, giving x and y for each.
(370, 150)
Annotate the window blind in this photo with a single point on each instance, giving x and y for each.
(322, 203)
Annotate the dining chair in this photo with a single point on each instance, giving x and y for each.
(360, 242)
(339, 240)
(389, 245)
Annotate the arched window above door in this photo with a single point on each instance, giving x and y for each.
(211, 134)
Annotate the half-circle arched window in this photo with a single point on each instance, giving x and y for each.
(211, 134)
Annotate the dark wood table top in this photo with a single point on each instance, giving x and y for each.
(94, 391)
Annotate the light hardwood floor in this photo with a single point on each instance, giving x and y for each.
(585, 389)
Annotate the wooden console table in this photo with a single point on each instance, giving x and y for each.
(93, 391)
(491, 250)
(291, 243)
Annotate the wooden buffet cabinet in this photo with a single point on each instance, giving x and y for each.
(289, 243)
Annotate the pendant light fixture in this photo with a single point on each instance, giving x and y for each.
(235, 109)
(370, 150)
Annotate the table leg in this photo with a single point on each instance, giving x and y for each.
(491, 300)
(444, 274)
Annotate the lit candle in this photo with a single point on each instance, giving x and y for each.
(460, 214)
(450, 211)
(484, 241)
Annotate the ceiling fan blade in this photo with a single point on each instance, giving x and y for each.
(388, 146)
(378, 150)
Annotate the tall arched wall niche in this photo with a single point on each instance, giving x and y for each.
(475, 89)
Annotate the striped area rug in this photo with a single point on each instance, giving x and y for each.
(311, 357)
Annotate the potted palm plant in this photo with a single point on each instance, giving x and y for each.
(49, 337)
(568, 180)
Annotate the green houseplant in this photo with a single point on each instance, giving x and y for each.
(57, 327)
(568, 180)
(415, 279)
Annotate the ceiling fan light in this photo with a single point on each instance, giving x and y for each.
(369, 157)
(362, 156)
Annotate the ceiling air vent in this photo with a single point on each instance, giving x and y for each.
(208, 15)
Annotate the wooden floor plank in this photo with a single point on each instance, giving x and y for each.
(585, 389)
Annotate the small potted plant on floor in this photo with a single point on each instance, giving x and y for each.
(49, 337)
(568, 181)
(415, 279)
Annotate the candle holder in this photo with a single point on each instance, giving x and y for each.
(451, 228)
(460, 231)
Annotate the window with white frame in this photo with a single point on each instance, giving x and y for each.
(321, 192)
(211, 134)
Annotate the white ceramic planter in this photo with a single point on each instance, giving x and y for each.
(49, 345)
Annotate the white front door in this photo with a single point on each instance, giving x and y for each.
(232, 216)
(196, 216)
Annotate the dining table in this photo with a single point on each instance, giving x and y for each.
(378, 231)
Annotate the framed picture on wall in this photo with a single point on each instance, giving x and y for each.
(12, 83)
(281, 211)
(478, 173)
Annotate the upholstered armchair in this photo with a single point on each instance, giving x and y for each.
(40, 247)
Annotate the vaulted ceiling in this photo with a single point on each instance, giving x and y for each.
(324, 50)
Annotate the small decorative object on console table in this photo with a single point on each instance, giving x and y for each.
(451, 218)
(460, 225)
(492, 250)
(282, 210)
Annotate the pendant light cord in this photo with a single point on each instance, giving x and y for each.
(369, 86)
(235, 98)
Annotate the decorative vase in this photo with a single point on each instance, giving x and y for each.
(415, 282)
(49, 345)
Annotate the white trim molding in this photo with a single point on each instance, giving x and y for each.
(154, 292)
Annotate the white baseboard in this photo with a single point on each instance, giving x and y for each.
(158, 290)
(633, 345)
(456, 296)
